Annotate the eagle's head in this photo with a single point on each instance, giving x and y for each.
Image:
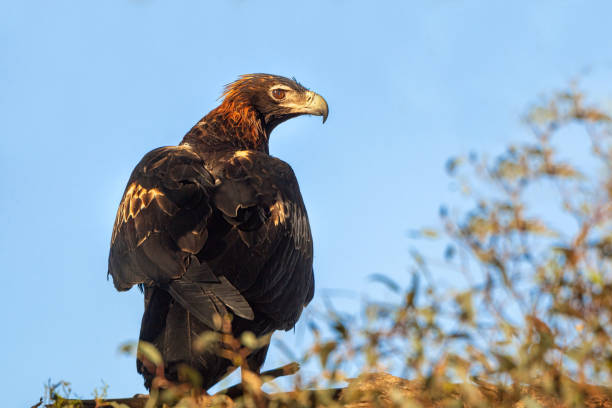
(253, 106)
(275, 98)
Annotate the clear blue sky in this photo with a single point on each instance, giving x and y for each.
(87, 88)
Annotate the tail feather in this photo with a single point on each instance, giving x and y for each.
(204, 300)
(172, 329)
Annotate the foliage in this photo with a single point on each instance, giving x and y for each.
(530, 261)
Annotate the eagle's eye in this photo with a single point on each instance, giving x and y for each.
(278, 93)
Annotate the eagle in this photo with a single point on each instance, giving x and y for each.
(216, 226)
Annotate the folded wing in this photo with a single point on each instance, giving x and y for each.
(161, 225)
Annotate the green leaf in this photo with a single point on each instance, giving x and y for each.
(385, 280)
(249, 340)
(206, 340)
(150, 352)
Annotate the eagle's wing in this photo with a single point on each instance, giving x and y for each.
(161, 224)
(259, 195)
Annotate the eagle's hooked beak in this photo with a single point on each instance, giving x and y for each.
(316, 105)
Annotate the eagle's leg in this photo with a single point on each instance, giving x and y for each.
(255, 360)
(250, 375)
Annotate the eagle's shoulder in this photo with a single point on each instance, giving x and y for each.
(248, 178)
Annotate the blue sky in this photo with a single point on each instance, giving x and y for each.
(87, 88)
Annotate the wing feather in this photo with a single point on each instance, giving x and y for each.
(258, 195)
(228, 233)
(161, 224)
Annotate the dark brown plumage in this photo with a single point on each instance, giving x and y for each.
(215, 226)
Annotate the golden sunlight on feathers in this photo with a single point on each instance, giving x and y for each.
(279, 214)
(135, 199)
(242, 153)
